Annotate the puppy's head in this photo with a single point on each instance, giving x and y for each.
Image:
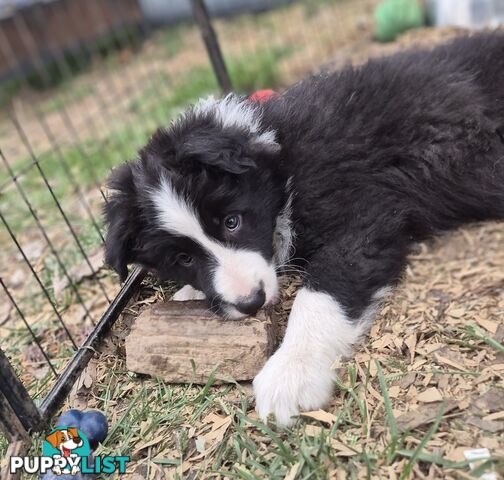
(200, 204)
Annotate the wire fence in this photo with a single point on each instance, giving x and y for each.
(52, 139)
(83, 85)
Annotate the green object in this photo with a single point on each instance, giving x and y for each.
(393, 17)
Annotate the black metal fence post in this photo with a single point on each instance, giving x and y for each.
(10, 424)
(64, 384)
(212, 44)
(18, 413)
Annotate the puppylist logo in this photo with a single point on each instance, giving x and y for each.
(66, 451)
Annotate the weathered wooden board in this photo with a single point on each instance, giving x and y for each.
(182, 342)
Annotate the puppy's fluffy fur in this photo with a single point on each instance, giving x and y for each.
(341, 174)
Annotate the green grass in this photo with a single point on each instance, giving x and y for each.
(8, 89)
(70, 92)
(87, 163)
(171, 39)
(141, 411)
(475, 333)
(167, 97)
(257, 70)
(391, 450)
(418, 451)
(312, 7)
(152, 99)
(162, 425)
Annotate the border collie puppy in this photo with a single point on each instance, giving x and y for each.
(339, 175)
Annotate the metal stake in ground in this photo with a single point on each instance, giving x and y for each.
(68, 377)
(212, 44)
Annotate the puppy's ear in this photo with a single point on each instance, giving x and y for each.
(120, 217)
(55, 439)
(230, 153)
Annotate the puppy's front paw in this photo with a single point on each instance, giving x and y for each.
(290, 382)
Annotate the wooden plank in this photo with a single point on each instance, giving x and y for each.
(182, 342)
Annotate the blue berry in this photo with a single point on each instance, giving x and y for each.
(94, 426)
(71, 418)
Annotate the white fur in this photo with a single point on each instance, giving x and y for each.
(187, 292)
(236, 111)
(368, 315)
(238, 272)
(299, 376)
(284, 236)
(174, 213)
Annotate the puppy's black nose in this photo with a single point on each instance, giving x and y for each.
(249, 305)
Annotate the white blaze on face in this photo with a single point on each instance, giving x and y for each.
(238, 272)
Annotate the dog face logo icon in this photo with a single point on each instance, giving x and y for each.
(67, 446)
(65, 440)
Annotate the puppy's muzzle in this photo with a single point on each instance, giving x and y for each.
(250, 304)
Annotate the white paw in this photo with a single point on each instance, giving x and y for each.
(290, 382)
(188, 293)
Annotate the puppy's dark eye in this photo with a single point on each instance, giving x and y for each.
(184, 259)
(232, 222)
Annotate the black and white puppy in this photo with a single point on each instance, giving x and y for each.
(340, 174)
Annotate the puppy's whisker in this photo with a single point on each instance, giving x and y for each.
(291, 264)
(290, 267)
(292, 270)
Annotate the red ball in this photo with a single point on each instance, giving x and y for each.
(263, 95)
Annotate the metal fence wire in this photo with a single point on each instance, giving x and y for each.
(61, 213)
(82, 86)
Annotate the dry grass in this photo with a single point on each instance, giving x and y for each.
(425, 386)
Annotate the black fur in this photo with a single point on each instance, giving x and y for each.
(381, 156)
(390, 153)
